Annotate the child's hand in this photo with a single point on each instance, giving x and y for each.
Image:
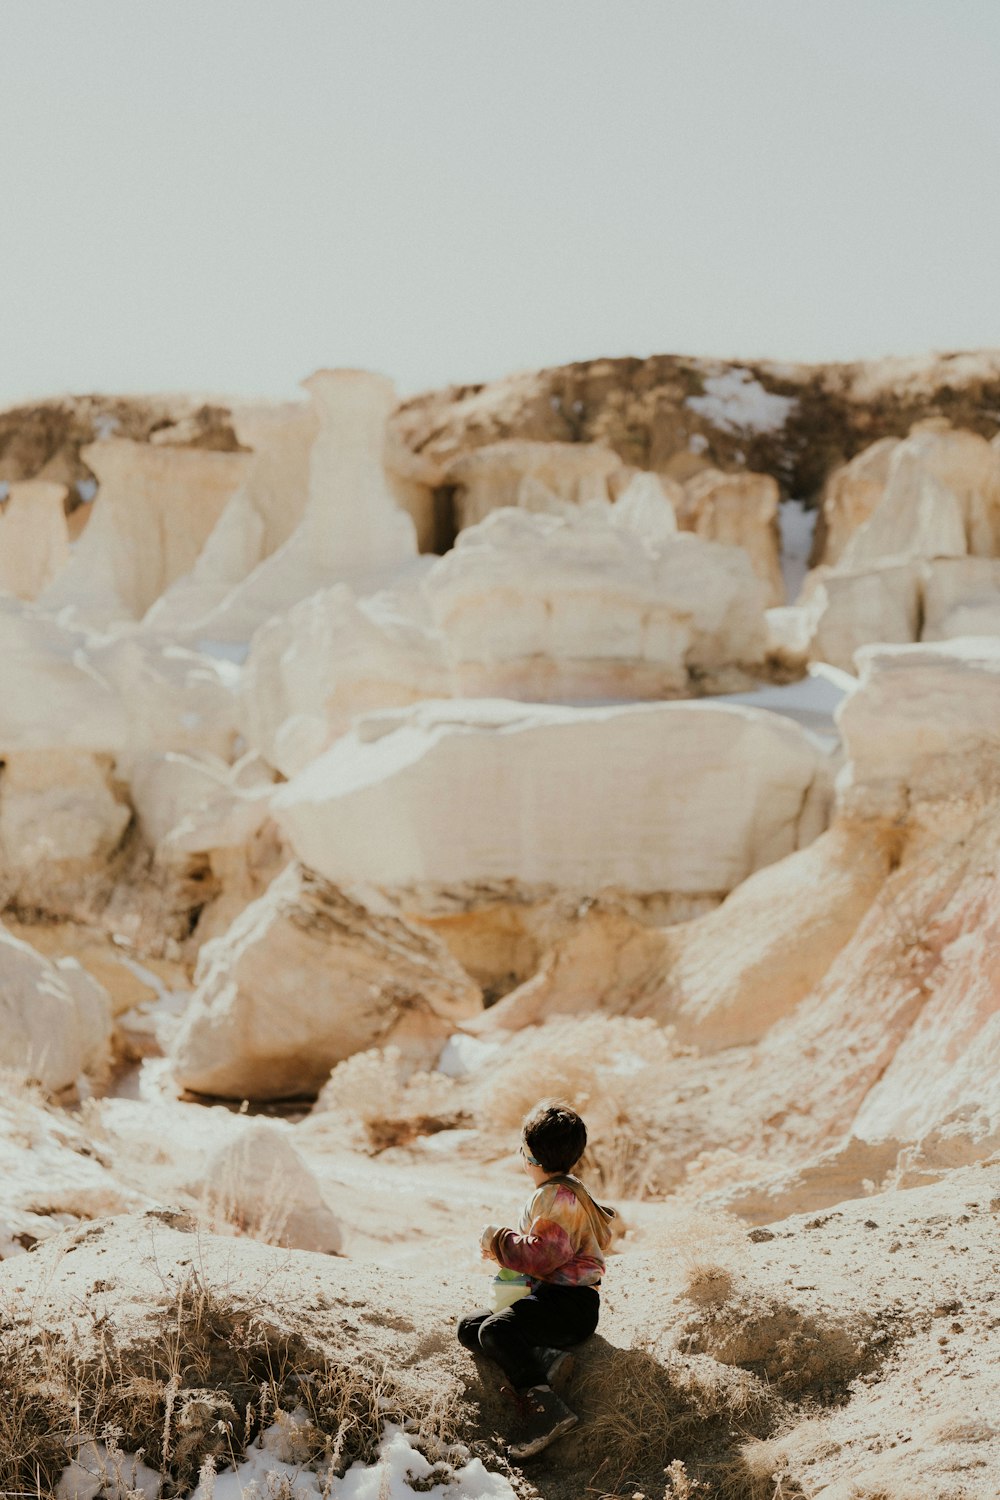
(486, 1239)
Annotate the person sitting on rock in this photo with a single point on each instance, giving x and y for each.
(558, 1249)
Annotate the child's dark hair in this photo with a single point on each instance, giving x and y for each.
(555, 1135)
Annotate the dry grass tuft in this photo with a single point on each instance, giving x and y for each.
(189, 1399)
(384, 1103)
(642, 1412)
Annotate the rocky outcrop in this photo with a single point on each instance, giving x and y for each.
(740, 510)
(155, 508)
(529, 475)
(306, 976)
(258, 1184)
(594, 605)
(677, 797)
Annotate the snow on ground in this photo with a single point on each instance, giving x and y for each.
(797, 528)
(736, 402)
(812, 702)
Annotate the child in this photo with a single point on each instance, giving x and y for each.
(559, 1246)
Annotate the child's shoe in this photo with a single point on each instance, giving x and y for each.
(546, 1417)
(558, 1365)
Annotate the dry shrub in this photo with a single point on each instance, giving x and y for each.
(610, 1069)
(190, 1398)
(380, 1098)
(711, 1249)
(643, 1412)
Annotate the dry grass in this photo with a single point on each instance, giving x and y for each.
(610, 1069)
(190, 1398)
(385, 1104)
(643, 1412)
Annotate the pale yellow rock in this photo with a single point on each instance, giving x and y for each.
(851, 609)
(917, 516)
(154, 511)
(509, 473)
(851, 494)
(56, 1020)
(306, 976)
(58, 806)
(922, 727)
(126, 981)
(258, 1184)
(957, 592)
(34, 541)
(740, 510)
(685, 798)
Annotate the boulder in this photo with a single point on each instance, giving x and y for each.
(329, 658)
(917, 516)
(258, 1184)
(155, 509)
(848, 609)
(34, 541)
(740, 510)
(850, 495)
(584, 606)
(305, 976)
(959, 594)
(62, 817)
(673, 797)
(922, 728)
(56, 1020)
(53, 695)
(515, 472)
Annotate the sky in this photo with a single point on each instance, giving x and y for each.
(223, 195)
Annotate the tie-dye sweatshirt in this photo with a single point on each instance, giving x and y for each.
(561, 1236)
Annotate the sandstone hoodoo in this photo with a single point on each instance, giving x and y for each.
(387, 767)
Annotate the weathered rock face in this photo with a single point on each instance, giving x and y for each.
(740, 510)
(676, 797)
(850, 495)
(306, 976)
(961, 596)
(156, 506)
(61, 818)
(258, 1184)
(34, 541)
(847, 609)
(922, 727)
(258, 519)
(795, 422)
(575, 607)
(351, 529)
(56, 1021)
(517, 473)
(331, 657)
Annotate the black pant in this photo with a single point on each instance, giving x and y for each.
(557, 1316)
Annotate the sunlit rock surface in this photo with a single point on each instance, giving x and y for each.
(34, 538)
(685, 797)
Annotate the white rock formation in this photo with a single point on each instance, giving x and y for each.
(55, 1021)
(154, 511)
(851, 494)
(329, 658)
(517, 472)
(351, 530)
(258, 1184)
(740, 510)
(846, 609)
(917, 516)
(676, 797)
(306, 976)
(923, 727)
(961, 596)
(56, 806)
(53, 696)
(34, 540)
(588, 606)
(258, 519)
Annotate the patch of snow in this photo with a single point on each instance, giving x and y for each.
(798, 526)
(105, 426)
(232, 651)
(811, 702)
(108, 1473)
(738, 403)
(4, 490)
(86, 489)
(697, 442)
(263, 1473)
(462, 1055)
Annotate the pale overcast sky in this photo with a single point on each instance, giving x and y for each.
(224, 194)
